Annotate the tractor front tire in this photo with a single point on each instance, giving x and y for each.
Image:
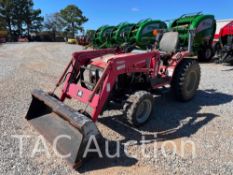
(138, 108)
(186, 80)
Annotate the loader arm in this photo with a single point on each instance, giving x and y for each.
(60, 124)
(115, 66)
(81, 58)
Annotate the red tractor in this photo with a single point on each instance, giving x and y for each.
(224, 44)
(100, 78)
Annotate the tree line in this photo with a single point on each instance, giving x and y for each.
(19, 18)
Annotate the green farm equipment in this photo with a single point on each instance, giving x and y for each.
(141, 35)
(128, 35)
(203, 28)
(102, 36)
(120, 34)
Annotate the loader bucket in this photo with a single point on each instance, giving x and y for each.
(61, 125)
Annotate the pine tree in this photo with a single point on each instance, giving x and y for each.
(74, 18)
(19, 17)
(6, 15)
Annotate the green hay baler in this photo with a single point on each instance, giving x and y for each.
(141, 35)
(203, 27)
(121, 34)
(102, 36)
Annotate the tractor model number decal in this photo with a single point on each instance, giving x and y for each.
(205, 25)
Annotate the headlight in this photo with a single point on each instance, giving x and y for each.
(93, 73)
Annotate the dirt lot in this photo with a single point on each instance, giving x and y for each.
(205, 123)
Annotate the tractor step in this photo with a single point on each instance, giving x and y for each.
(68, 129)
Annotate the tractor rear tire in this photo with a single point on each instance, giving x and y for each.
(186, 80)
(205, 55)
(138, 108)
(217, 49)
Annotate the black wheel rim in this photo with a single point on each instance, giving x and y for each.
(143, 111)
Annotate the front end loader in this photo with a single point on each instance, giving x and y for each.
(106, 77)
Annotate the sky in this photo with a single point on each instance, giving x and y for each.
(112, 12)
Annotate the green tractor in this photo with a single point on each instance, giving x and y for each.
(141, 35)
(102, 36)
(203, 28)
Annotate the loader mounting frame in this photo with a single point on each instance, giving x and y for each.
(126, 63)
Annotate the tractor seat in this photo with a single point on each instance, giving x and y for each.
(169, 43)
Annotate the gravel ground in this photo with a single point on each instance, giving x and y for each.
(205, 123)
